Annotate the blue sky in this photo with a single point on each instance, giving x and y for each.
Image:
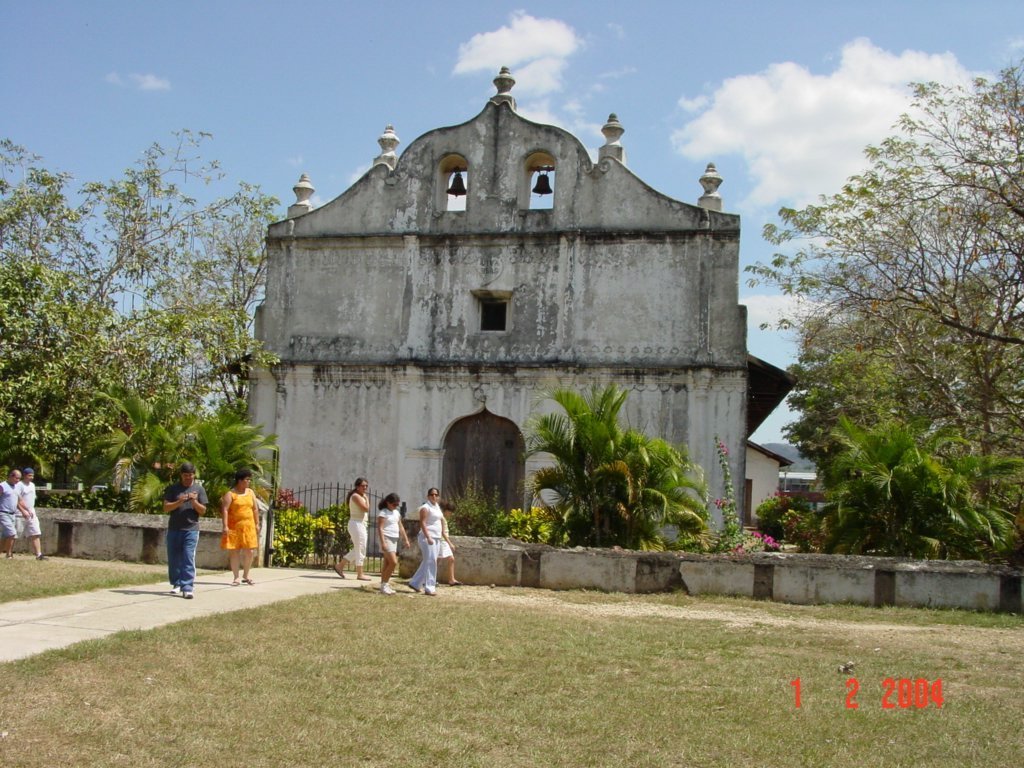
(781, 96)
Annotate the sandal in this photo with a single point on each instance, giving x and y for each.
(250, 582)
(338, 570)
(456, 584)
(235, 583)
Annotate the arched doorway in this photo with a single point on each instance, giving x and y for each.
(485, 450)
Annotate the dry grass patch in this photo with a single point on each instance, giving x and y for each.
(25, 578)
(495, 678)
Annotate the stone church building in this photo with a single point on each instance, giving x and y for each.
(420, 315)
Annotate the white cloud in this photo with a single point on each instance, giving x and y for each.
(695, 104)
(801, 134)
(151, 83)
(141, 82)
(769, 309)
(572, 118)
(535, 49)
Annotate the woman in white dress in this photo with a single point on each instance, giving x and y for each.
(358, 506)
(429, 539)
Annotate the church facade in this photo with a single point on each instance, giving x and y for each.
(420, 316)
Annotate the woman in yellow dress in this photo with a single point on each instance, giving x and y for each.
(241, 525)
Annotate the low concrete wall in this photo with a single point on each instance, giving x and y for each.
(116, 536)
(791, 578)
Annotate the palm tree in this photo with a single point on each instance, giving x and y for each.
(225, 442)
(655, 486)
(582, 441)
(607, 483)
(153, 438)
(150, 437)
(903, 490)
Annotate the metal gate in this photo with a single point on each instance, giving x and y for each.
(308, 527)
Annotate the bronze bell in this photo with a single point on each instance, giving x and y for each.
(458, 186)
(543, 185)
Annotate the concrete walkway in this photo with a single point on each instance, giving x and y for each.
(32, 626)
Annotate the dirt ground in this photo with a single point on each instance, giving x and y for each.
(908, 636)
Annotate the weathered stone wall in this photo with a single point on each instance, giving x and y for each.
(373, 308)
(117, 536)
(790, 578)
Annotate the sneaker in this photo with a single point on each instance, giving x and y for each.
(386, 589)
(175, 590)
(187, 595)
(42, 557)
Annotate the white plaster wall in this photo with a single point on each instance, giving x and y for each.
(388, 423)
(763, 473)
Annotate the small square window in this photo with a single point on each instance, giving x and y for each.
(493, 315)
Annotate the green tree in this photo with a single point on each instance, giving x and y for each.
(610, 485)
(654, 485)
(51, 345)
(131, 283)
(919, 261)
(152, 439)
(910, 491)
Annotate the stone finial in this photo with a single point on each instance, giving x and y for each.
(612, 131)
(504, 82)
(303, 191)
(388, 141)
(710, 181)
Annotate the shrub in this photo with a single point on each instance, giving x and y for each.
(536, 525)
(299, 534)
(757, 542)
(293, 535)
(101, 500)
(771, 511)
(477, 514)
(804, 528)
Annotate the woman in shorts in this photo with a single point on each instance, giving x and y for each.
(445, 548)
(389, 531)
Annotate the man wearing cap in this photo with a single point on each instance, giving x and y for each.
(8, 511)
(26, 491)
(184, 501)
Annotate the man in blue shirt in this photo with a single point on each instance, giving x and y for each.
(184, 501)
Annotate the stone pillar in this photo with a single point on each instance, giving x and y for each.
(710, 181)
(504, 82)
(388, 141)
(303, 191)
(612, 131)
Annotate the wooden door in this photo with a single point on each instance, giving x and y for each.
(485, 450)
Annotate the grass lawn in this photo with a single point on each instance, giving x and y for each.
(25, 578)
(479, 677)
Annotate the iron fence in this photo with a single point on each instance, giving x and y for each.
(308, 527)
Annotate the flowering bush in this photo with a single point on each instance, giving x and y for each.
(771, 511)
(757, 542)
(805, 529)
(731, 535)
